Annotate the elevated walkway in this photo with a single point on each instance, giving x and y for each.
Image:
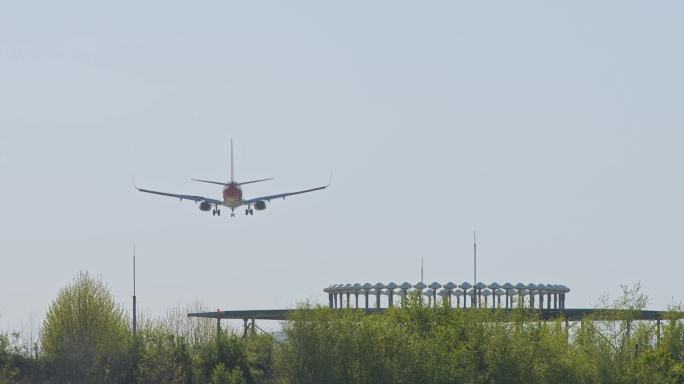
(573, 314)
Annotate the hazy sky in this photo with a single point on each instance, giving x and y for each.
(553, 129)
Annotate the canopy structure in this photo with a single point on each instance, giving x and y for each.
(520, 295)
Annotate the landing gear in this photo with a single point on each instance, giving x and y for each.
(216, 212)
(249, 211)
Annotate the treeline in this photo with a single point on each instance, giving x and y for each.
(426, 345)
(86, 338)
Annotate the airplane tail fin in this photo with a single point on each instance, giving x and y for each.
(232, 169)
(232, 174)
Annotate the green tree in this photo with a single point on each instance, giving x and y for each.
(164, 357)
(8, 367)
(260, 355)
(220, 375)
(85, 336)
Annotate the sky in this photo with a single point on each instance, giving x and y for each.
(553, 129)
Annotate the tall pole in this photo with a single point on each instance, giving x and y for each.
(476, 297)
(474, 259)
(135, 317)
(421, 269)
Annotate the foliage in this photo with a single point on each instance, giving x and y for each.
(8, 365)
(171, 350)
(220, 375)
(85, 336)
(416, 344)
(162, 358)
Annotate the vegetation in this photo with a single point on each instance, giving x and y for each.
(86, 338)
(417, 344)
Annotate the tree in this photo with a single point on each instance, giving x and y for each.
(220, 375)
(85, 336)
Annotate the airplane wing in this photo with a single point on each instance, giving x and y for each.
(183, 197)
(281, 195)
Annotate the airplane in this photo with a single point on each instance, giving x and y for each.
(232, 194)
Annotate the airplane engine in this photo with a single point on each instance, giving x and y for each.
(260, 205)
(205, 206)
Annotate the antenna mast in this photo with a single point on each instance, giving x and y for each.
(232, 169)
(474, 259)
(135, 317)
(421, 269)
